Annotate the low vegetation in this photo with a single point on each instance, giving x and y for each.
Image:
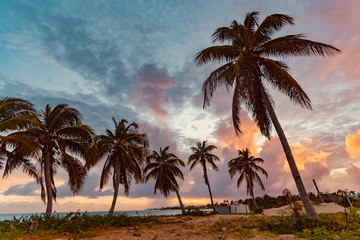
(73, 225)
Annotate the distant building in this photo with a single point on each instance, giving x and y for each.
(233, 208)
(239, 208)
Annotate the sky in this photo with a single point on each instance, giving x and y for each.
(134, 60)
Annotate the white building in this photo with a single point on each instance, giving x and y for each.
(239, 208)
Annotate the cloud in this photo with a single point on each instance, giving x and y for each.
(305, 152)
(151, 87)
(96, 113)
(90, 189)
(29, 189)
(159, 137)
(314, 170)
(274, 161)
(353, 173)
(225, 134)
(352, 146)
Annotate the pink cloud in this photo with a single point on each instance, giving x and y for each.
(159, 137)
(353, 144)
(150, 89)
(225, 134)
(339, 26)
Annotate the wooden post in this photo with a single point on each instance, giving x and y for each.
(321, 197)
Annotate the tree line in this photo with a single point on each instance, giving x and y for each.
(56, 138)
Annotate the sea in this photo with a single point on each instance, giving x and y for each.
(152, 212)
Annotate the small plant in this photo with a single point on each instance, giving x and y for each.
(295, 206)
(195, 212)
(259, 210)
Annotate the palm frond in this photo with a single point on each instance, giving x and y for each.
(294, 46)
(271, 24)
(217, 53)
(76, 171)
(282, 81)
(250, 21)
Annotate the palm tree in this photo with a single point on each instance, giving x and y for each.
(247, 53)
(60, 140)
(125, 150)
(201, 155)
(246, 166)
(163, 167)
(14, 151)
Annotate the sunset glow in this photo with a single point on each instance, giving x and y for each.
(135, 60)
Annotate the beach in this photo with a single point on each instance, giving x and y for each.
(218, 226)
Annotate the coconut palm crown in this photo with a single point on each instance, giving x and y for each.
(61, 140)
(163, 167)
(15, 152)
(201, 155)
(246, 166)
(125, 150)
(251, 57)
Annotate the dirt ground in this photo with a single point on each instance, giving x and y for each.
(197, 228)
(192, 228)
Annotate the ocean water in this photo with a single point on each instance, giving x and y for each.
(11, 216)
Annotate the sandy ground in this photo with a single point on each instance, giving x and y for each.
(198, 228)
(320, 208)
(186, 228)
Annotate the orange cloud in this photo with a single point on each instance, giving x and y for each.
(353, 145)
(304, 153)
(225, 134)
(346, 62)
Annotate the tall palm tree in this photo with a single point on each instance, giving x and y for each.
(247, 52)
(163, 167)
(201, 155)
(14, 151)
(61, 140)
(246, 166)
(125, 150)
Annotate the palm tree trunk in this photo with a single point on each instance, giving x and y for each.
(49, 191)
(310, 211)
(116, 180)
(208, 185)
(181, 204)
(253, 198)
(116, 191)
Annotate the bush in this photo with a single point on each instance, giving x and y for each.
(74, 222)
(197, 212)
(326, 227)
(259, 210)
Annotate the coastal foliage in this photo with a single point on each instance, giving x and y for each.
(75, 225)
(246, 166)
(163, 168)
(251, 57)
(15, 151)
(202, 155)
(58, 139)
(125, 150)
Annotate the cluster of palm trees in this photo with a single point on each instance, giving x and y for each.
(57, 138)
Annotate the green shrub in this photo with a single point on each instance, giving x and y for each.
(326, 227)
(74, 222)
(259, 210)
